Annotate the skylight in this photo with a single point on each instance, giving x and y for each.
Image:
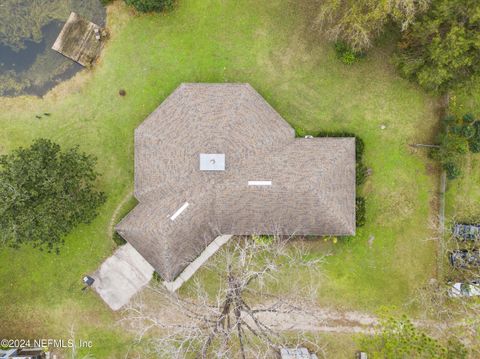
(212, 162)
(179, 211)
(259, 183)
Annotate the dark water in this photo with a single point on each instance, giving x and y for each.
(23, 59)
(36, 68)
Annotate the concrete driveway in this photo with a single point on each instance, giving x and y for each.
(121, 276)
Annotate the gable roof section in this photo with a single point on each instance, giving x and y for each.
(308, 185)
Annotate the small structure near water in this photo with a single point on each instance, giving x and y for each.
(80, 40)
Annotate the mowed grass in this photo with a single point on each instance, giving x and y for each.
(271, 45)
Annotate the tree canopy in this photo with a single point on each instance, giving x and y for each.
(44, 193)
(359, 22)
(442, 48)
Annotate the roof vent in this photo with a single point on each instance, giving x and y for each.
(259, 183)
(212, 162)
(179, 211)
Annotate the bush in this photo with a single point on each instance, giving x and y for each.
(459, 136)
(474, 141)
(151, 5)
(468, 118)
(453, 171)
(468, 131)
(360, 210)
(345, 53)
(156, 277)
(361, 173)
(118, 239)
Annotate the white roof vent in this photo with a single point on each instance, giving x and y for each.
(179, 211)
(259, 183)
(212, 162)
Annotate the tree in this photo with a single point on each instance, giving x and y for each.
(44, 193)
(399, 338)
(359, 22)
(459, 135)
(229, 323)
(441, 50)
(150, 5)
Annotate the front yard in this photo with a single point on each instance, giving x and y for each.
(272, 46)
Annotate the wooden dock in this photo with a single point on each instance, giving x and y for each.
(80, 40)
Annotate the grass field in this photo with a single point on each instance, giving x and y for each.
(273, 46)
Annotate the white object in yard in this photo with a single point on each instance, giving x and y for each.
(383, 127)
(471, 289)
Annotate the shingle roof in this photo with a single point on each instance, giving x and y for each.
(312, 188)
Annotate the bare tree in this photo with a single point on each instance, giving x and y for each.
(229, 323)
(360, 22)
(451, 317)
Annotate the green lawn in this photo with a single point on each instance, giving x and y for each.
(272, 46)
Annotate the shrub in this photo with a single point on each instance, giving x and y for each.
(468, 118)
(459, 136)
(474, 141)
(360, 209)
(156, 277)
(361, 173)
(118, 239)
(151, 5)
(453, 171)
(468, 131)
(345, 53)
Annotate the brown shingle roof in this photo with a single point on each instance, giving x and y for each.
(312, 187)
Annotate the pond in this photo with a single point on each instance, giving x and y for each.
(28, 29)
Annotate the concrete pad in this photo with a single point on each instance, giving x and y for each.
(122, 276)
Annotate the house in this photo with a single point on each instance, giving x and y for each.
(217, 159)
